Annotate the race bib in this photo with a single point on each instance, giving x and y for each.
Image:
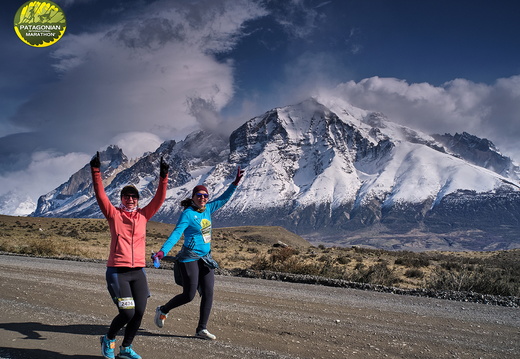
(206, 230)
(126, 303)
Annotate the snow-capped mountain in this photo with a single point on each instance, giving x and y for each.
(16, 203)
(334, 174)
(76, 194)
(480, 152)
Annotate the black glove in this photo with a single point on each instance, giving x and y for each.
(95, 162)
(240, 173)
(164, 167)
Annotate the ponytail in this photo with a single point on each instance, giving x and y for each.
(186, 203)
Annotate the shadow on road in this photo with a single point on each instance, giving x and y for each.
(32, 330)
(36, 331)
(18, 353)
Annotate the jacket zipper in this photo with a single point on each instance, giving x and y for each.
(133, 234)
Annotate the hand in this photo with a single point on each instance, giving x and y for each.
(159, 255)
(240, 174)
(95, 161)
(164, 167)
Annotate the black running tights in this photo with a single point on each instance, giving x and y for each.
(195, 275)
(128, 288)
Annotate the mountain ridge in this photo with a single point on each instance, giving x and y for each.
(331, 170)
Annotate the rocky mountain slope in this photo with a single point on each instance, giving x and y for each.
(333, 174)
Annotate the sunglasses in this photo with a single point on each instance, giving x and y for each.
(128, 196)
(200, 195)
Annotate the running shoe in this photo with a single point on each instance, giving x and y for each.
(127, 353)
(107, 347)
(159, 317)
(204, 334)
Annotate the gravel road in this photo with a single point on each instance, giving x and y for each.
(57, 309)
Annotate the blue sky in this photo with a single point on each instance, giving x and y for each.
(136, 73)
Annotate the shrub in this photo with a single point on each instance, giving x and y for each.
(410, 259)
(42, 247)
(343, 260)
(484, 281)
(261, 263)
(414, 273)
(379, 273)
(451, 266)
(334, 272)
(359, 265)
(282, 254)
(287, 260)
(325, 259)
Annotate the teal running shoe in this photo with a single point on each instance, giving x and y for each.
(128, 353)
(107, 347)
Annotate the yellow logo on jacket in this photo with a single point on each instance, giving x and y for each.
(206, 230)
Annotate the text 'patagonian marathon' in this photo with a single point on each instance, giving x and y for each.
(40, 27)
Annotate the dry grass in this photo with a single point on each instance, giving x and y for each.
(274, 248)
(89, 238)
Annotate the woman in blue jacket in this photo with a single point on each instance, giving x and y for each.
(196, 265)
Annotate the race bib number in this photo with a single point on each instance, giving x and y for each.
(206, 230)
(126, 303)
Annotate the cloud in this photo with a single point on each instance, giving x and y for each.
(131, 80)
(45, 169)
(135, 144)
(138, 73)
(297, 18)
(489, 111)
(134, 76)
(69, 3)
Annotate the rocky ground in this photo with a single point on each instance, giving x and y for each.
(58, 309)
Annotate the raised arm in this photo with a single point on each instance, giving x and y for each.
(160, 195)
(226, 196)
(104, 203)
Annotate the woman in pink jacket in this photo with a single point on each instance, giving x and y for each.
(125, 275)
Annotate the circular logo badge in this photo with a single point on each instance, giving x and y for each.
(40, 23)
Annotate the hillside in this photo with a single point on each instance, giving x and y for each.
(89, 239)
(275, 249)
